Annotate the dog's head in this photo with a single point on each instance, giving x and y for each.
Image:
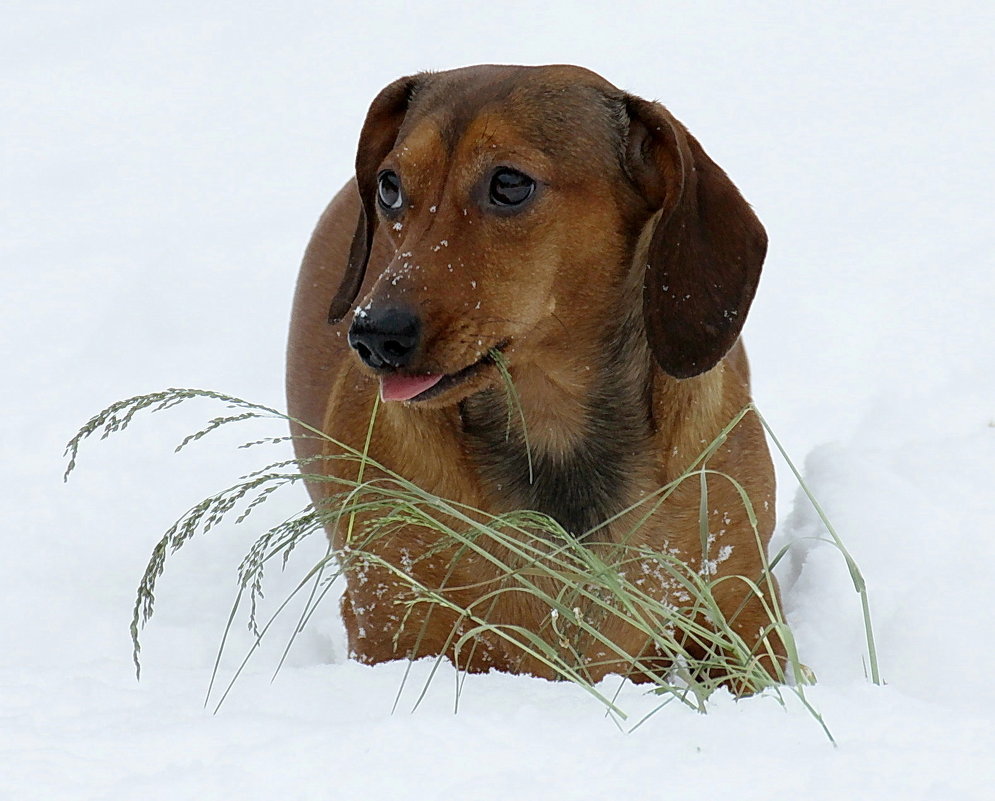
(523, 205)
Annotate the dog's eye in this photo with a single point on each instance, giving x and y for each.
(389, 190)
(510, 187)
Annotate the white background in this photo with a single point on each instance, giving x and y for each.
(161, 168)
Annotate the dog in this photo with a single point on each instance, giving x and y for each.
(583, 234)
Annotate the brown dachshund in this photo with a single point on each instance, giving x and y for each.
(584, 234)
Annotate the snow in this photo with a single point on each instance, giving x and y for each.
(163, 168)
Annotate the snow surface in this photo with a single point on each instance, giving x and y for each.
(163, 165)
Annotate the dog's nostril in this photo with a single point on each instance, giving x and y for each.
(363, 351)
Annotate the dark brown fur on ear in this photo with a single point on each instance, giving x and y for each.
(383, 121)
(706, 251)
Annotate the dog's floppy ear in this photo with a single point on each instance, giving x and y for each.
(383, 121)
(706, 251)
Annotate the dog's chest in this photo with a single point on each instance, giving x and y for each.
(579, 487)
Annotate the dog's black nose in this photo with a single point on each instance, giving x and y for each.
(385, 338)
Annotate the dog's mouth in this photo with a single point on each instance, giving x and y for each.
(417, 388)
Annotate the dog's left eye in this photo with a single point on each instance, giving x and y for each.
(510, 187)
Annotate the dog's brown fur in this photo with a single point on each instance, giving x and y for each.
(617, 297)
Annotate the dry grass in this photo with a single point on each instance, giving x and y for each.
(563, 574)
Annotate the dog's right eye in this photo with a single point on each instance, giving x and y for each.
(389, 190)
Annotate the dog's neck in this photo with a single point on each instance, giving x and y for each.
(587, 421)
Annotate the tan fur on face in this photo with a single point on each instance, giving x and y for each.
(580, 290)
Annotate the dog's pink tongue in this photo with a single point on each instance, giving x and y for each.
(405, 387)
